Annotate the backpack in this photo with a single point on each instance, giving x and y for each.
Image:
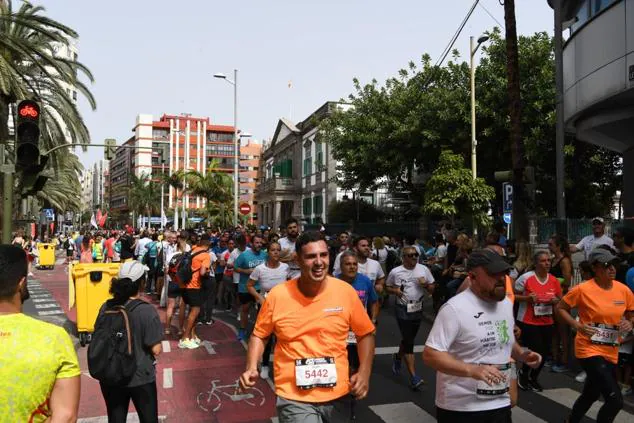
(117, 247)
(111, 358)
(184, 269)
(152, 249)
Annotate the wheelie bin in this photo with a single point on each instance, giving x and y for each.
(46, 251)
(92, 288)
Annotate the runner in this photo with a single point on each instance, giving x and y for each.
(367, 266)
(174, 292)
(39, 371)
(536, 292)
(267, 275)
(606, 309)
(288, 247)
(244, 266)
(470, 346)
(310, 317)
(409, 282)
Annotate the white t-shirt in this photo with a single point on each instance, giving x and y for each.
(473, 331)
(287, 244)
(590, 242)
(139, 250)
(336, 268)
(381, 255)
(408, 279)
(441, 251)
(214, 259)
(232, 257)
(372, 269)
(269, 277)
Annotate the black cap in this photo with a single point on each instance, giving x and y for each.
(490, 260)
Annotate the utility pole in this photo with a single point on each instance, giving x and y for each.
(520, 214)
(559, 131)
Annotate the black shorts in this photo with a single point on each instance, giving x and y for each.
(192, 297)
(173, 290)
(245, 298)
(625, 359)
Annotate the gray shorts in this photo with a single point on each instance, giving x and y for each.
(336, 411)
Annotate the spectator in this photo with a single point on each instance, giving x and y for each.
(590, 242)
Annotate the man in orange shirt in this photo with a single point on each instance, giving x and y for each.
(310, 317)
(192, 292)
(606, 311)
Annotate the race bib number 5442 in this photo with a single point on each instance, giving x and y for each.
(319, 372)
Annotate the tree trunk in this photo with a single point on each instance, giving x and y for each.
(520, 215)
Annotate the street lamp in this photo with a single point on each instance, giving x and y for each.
(236, 140)
(474, 142)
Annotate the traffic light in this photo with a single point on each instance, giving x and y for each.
(28, 135)
(163, 153)
(528, 180)
(33, 178)
(110, 149)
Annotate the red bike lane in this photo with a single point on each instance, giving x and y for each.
(193, 385)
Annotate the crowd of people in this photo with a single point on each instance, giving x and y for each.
(504, 312)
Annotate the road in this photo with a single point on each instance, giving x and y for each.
(184, 377)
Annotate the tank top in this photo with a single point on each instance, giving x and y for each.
(555, 269)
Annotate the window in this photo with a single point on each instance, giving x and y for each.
(588, 10)
(284, 168)
(160, 134)
(318, 204)
(220, 150)
(319, 159)
(219, 136)
(306, 206)
(75, 95)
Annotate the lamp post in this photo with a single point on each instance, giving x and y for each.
(474, 142)
(236, 141)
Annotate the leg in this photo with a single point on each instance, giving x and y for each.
(171, 302)
(211, 301)
(117, 402)
(289, 411)
(191, 322)
(544, 339)
(145, 401)
(591, 390)
(611, 392)
(181, 315)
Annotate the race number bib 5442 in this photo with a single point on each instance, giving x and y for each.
(319, 372)
(605, 334)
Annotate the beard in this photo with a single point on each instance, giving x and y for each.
(498, 293)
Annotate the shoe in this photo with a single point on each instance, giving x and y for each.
(264, 372)
(581, 377)
(210, 322)
(548, 363)
(242, 336)
(31, 274)
(396, 364)
(196, 340)
(416, 381)
(559, 368)
(627, 390)
(200, 322)
(187, 344)
(536, 386)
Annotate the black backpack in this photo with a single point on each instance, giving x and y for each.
(184, 269)
(111, 357)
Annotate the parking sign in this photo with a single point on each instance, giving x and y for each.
(507, 197)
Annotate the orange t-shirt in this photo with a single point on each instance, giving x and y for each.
(311, 328)
(595, 306)
(198, 261)
(510, 294)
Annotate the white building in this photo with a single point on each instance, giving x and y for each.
(87, 186)
(100, 180)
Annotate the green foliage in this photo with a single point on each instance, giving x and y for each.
(347, 210)
(395, 133)
(216, 187)
(144, 195)
(452, 191)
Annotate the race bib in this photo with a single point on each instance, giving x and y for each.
(352, 339)
(605, 334)
(543, 309)
(486, 391)
(413, 307)
(319, 372)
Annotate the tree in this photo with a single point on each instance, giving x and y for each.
(216, 187)
(452, 192)
(144, 196)
(348, 210)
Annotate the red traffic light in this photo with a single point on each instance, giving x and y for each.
(28, 110)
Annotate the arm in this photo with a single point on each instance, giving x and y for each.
(251, 289)
(396, 290)
(379, 284)
(374, 311)
(254, 352)
(243, 271)
(566, 269)
(444, 362)
(64, 400)
(360, 381)
(156, 349)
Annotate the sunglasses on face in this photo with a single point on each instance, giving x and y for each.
(412, 255)
(608, 264)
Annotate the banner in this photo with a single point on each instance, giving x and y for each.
(93, 221)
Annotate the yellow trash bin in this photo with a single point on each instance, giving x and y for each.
(92, 289)
(46, 251)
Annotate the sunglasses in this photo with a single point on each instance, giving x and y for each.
(412, 255)
(608, 264)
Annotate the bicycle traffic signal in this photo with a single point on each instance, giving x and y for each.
(28, 134)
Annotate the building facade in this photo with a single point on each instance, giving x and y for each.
(100, 179)
(87, 185)
(598, 63)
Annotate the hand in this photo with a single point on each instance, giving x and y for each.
(532, 298)
(248, 379)
(554, 300)
(488, 374)
(359, 385)
(517, 332)
(378, 288)
(531, 358)
(585, 329)
(625, 326)
(260, 299)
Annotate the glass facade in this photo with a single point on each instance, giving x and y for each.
(588, 10)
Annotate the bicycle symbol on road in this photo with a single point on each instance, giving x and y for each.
(211, 400)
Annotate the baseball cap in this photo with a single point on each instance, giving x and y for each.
(598, 219)
(601, 255)
(132, 270)
(490, 260)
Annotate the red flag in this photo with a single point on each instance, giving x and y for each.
(98, 217)
(102, 221)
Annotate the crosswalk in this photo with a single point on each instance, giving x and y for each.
(44, 303)
(409, 412)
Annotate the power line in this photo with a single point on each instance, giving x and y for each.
(490, 14)
(451, 43)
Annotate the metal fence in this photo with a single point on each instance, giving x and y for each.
(371, 229)
(573, 229)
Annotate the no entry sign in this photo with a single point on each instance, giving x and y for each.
(245, 208)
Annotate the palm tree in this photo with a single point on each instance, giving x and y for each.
(61, 191)
(216, 187)
(144, 195)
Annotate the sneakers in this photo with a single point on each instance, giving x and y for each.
(264, 372)
(416, 382)
(559, 368)
(199, 323)
(548, 363)
(626, 390)
(536, 386)
(581, 377)
(210, 322)
(242, 336)
(187, 344)
(196, 340)
(396, 364)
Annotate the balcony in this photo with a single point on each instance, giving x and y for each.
(279, 184)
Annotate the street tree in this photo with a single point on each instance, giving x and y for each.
(144, 195)
(216, 188)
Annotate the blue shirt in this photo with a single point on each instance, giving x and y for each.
(365, 289)
(217, 250)
(248, 260)
(629, 278)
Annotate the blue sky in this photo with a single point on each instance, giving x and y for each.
(160, 56)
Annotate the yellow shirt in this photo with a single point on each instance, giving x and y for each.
(33, 355)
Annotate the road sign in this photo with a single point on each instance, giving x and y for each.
(507, 218)
(245, 208)
(507, 197)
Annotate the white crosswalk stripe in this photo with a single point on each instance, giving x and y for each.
(48, 305)
(51, 312)
(567, 397)
(402, 412)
